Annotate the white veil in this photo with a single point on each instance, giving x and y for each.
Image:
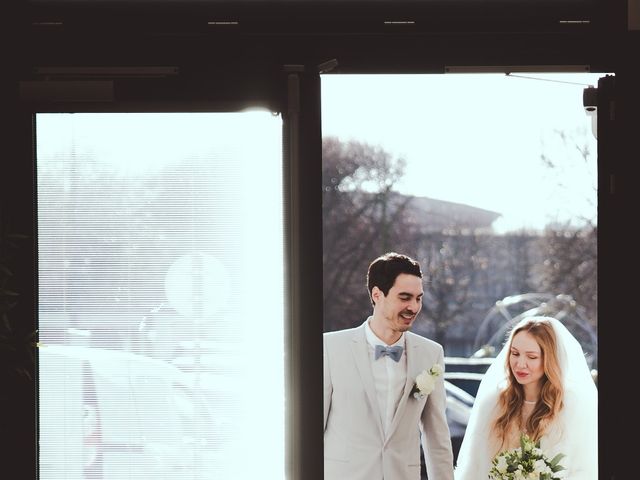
(574, 433)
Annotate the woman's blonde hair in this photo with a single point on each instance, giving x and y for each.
(512, 398)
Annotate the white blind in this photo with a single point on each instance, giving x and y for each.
(161, 296)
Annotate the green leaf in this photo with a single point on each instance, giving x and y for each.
(555, 460)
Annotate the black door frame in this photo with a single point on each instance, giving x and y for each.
(281, 59)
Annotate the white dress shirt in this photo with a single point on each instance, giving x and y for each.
(389, 376)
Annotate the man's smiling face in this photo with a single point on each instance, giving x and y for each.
(400, 307)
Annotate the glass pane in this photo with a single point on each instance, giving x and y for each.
(489, 181)
(155, 234)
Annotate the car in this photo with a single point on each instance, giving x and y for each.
(462, 379)
(459, 405)
(112, 415)
(467, 381)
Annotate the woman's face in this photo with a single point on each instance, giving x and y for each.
(525, 359)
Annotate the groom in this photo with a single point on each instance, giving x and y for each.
(373, 421)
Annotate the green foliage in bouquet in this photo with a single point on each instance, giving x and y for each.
(526, 463)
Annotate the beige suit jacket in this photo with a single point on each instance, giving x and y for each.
(355, 447)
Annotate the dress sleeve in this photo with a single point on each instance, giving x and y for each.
(578, 419)
(575, 435)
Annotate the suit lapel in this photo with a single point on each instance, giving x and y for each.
(360, 352)
(413, 364)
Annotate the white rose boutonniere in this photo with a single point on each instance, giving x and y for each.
(426, 381)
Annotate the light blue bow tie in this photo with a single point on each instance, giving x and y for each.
(394, 352)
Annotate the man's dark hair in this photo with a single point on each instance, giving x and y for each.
(384, 270)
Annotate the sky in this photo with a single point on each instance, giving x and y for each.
(478, 139)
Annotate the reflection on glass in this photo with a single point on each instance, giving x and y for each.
(156, 234)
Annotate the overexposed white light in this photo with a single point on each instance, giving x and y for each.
(197, 286)
(264, 270)
(475, 139)
(233, 161)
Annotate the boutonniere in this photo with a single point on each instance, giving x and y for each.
(425, 381)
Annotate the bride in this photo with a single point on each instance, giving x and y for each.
(540, 385)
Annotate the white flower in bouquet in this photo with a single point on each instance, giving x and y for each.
(526, 463)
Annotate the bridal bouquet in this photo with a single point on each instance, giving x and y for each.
(526, 463)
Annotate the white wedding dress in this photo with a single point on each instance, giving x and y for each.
(574, 433)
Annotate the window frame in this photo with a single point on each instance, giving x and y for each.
(253, 61)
